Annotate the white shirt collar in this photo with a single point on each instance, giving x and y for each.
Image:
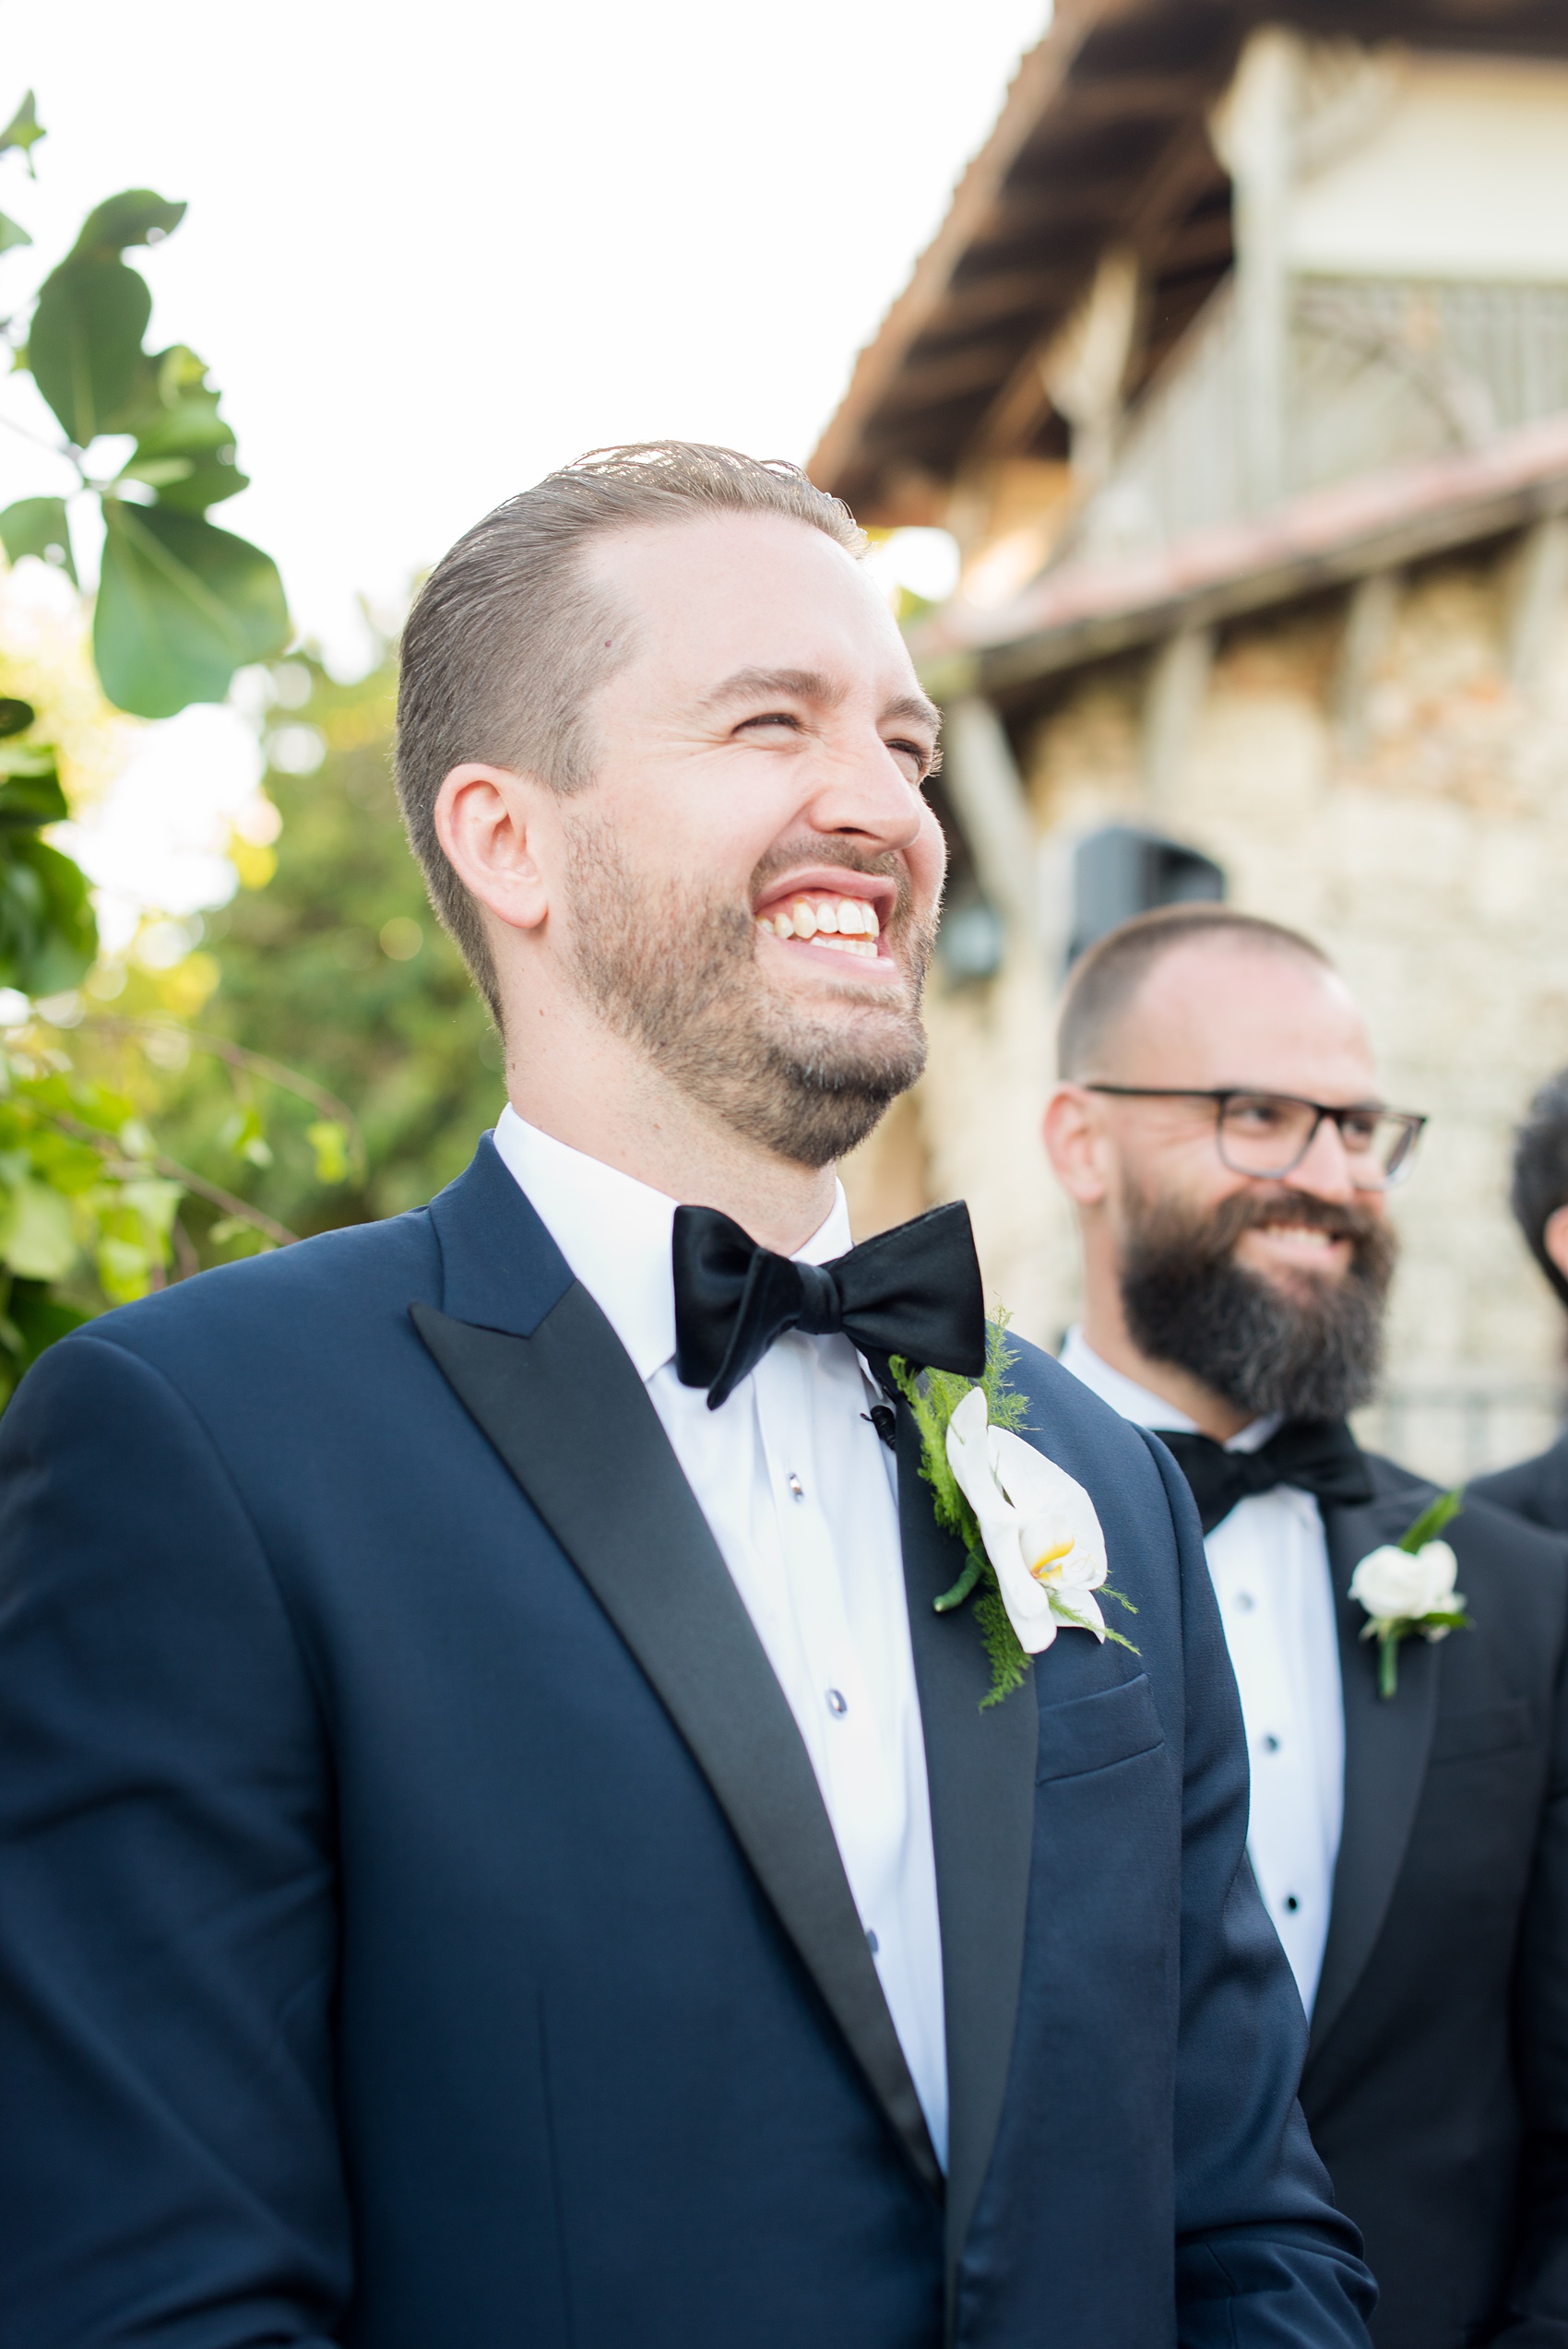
(1140, 1403)
(614, 1233)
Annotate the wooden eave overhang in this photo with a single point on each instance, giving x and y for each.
(1102, 139)
(1328, 537)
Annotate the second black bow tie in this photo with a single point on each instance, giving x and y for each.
(1319, 1456)
(914, 1290)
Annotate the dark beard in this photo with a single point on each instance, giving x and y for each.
(1311, 1350)
(678, 974)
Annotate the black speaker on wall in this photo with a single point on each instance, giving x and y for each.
(1121, 870)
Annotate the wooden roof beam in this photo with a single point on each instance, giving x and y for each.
(923, 382)
(1128, 98)
(1002, 293)
(1075, 202)
(1020, 408)
(1208, 238)
(1184, 167)
(1187, 169)
(1040, 76)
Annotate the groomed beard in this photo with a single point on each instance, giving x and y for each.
(1309, 1351)
(676, 972)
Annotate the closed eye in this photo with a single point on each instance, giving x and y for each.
(920, 756)
(772, 717)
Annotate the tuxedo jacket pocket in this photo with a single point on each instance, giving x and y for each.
(1091, 1732)
(1493, 1729)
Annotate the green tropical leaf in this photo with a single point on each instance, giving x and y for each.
(190, 484)
(84, 346)
(181, 606)
(48, 937)
(184, 450)
(64, 1161)
(156, 1200)
(125, 1267)
(28, 801)
(244, 1134)
(138, 216)
(330, 1142)
(185, 419)
(12, 234)
(15, 717)
(23, 131)
(38, 526)
(17, 757)
(38, 1238)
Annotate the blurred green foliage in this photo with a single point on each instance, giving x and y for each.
(90, 1202)
(48, 936)
(313, 1053)
(336, 970)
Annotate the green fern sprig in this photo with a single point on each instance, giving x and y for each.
(932, 1398)
(1009, 1660)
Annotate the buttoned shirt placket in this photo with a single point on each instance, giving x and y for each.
(801, 1496)
(1268, 1562)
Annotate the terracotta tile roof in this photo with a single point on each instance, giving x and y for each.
(1086, 608)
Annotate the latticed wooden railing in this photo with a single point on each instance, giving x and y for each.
(1377, 371)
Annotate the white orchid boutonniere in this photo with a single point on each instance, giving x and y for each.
(1033, 1545)
(1407, 1586)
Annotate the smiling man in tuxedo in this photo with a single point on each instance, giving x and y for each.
(500, 1845)
(1220, 1128)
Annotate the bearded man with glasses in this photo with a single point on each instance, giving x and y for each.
(1221, 1130)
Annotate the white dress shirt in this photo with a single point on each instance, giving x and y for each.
(1268, 1562)
(801, 1496)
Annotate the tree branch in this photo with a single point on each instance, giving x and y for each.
(240, 1056)
(172, 1171)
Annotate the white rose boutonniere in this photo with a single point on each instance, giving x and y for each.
(1033, 1546)
(1407, 1586)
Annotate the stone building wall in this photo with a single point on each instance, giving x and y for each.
(1425, 847)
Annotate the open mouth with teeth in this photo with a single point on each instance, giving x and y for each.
(1310, 1246)
(821, 918)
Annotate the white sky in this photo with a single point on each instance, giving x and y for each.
(434, 250)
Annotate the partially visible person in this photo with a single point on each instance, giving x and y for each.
(1220, 1129)
(1538, 1489)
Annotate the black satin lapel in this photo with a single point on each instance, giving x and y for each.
(1386, 1742)
(557, 1405)
(981, 1772)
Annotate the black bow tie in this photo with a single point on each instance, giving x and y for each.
(1319, 1456)
(914, 1291)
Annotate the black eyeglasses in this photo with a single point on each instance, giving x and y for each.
(1268, 1135)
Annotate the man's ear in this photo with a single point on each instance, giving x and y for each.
(492, 825)
(1075, 1144)
(1554, 1240)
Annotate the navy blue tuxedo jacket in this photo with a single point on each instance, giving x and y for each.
(421, 1929)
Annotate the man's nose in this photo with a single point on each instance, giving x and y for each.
(1327, 1171)
(861, 788)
